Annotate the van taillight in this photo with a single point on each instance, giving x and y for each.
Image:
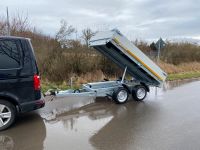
(36, 81)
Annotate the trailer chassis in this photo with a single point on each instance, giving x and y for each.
(117, 90)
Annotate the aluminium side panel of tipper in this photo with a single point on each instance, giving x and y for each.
(125, 54)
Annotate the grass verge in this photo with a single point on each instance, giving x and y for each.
(181, 76)
(46, 85)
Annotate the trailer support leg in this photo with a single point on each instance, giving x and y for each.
(124, 74)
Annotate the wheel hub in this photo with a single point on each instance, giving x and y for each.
(5, 115)
(141, 92)
(122, 96)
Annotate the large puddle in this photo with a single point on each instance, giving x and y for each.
(162, 121)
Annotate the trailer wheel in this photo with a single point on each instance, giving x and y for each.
(77, 91)
(120, 95)
(139, 92)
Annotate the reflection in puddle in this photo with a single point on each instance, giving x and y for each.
(60, 105)
(124, 126)
(6, 143)
(28, 133)
(73, 131)
(92, 125)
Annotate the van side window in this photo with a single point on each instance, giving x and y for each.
(9, 54)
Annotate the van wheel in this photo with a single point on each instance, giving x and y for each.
(7, 114)
(120, 95)
(139, 93)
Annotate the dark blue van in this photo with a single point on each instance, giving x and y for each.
(20, 89)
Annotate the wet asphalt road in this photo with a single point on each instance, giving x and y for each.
(169, 119)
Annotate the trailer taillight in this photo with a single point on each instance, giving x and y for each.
(36, 82)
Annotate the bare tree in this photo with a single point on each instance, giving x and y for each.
(87, 35)
(3, 27)
(64, 32)
(20, 23)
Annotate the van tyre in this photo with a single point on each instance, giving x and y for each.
(139, 93)
(120, 95)
(7, 114)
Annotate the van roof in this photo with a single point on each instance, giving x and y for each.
(13, 37)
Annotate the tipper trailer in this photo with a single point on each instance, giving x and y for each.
(127, 56)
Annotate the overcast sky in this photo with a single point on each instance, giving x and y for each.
(143, 19)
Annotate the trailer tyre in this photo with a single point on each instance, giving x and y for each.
(120, 95)
(77, 91)
(139, 93)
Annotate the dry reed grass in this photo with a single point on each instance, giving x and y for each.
(181, 68)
